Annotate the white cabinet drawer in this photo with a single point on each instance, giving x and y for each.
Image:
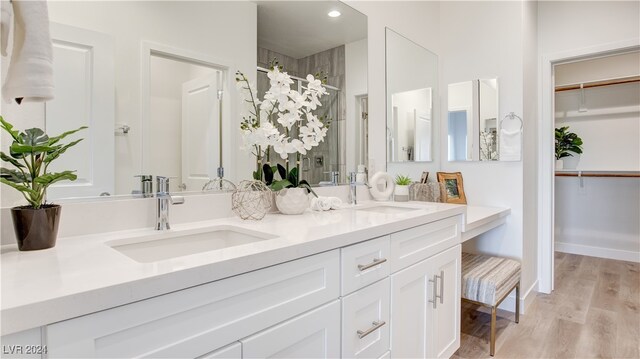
(195, 321)
(231, 351)
(315, 334)
(415, 244)
(365, 321)
(364, 263)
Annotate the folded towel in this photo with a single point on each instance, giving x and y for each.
(510, 145)
(30, 73)
(324, 203)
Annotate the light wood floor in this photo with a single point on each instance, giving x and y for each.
(594, 312)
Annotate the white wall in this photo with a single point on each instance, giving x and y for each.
(598, 69)
(598, 219)
(223, 30)
(485, 40)
(417, 21)
(609, 128)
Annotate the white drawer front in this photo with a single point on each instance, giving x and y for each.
(315, 334)
(193, 322)
(415, 244)
(365, 321)
(359, 267)
(232, 351)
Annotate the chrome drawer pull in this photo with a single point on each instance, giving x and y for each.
(434, 291)
(441, 287)
(376, 261)
(376, 326)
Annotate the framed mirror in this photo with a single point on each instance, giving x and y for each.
(412, 86)
(155, 88)
(472, 121)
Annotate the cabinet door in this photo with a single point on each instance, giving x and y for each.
(365, 321)
(410, 291)
(315, 334)
(445, 319)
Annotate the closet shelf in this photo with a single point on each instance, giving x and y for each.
(623, 80)
(627, 174)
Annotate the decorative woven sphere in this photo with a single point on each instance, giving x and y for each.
(251, 200)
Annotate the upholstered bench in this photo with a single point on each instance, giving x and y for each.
(488, 281)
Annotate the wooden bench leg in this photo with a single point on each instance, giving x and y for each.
(492, 341)
(518, 302)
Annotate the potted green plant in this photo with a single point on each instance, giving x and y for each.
(287, 198)
(567, 143)
(31, 153)
(401, 191)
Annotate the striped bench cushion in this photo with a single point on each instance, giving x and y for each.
(488, 279)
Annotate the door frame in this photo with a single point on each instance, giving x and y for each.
(229, 98)
(546, 165)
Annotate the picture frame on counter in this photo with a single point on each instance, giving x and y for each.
(452, 187)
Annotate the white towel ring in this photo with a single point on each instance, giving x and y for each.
(512, 116)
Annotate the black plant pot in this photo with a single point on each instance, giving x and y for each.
(36, 228)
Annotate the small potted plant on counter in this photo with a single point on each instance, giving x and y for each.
(401, 192)
(31, 153)
(567, 143)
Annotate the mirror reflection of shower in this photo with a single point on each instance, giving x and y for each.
(318, 162)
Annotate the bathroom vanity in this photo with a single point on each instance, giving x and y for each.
(375, 280)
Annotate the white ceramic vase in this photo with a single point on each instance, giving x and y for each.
(292, 200)
(401, 193)
(559, 164)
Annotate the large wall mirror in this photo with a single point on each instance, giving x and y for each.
(412, 93)
(472, 121)
(154, 81)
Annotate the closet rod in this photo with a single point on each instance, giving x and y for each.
(599, 174)
(624, 80)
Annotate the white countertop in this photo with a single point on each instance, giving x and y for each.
(82, 275)
(480, 219)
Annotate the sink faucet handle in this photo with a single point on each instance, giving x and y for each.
(162, 183)
(146, 185)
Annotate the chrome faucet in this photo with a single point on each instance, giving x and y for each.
(353, 184)
(334, 177)
(164, 199)
(352, 188)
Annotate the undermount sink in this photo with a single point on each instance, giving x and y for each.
(172, 244)
(388, 209)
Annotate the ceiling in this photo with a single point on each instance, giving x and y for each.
(302, 28)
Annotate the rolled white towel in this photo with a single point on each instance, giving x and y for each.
(325, 203)
(314, 204)
(335, 202)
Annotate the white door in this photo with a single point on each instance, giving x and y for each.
(83, 73)
(410, 293)
(445, 318)
(200, 131)
(315, 334)
(422, 135)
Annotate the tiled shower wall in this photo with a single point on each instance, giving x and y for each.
(332, 151)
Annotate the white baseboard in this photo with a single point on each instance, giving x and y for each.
(526, 298)
(600, 252)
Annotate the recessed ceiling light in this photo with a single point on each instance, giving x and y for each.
(334, 13)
